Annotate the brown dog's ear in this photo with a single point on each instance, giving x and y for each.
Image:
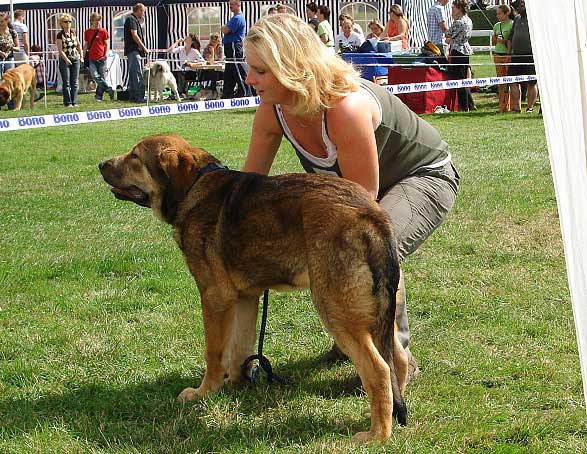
(180, 168)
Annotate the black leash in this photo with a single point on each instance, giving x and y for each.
(263, 361)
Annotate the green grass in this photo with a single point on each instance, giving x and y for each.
(100, 325)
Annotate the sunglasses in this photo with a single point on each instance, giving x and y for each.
(67, 22)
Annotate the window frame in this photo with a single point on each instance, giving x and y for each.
(368, 6)
(196, 28)
(115, 44)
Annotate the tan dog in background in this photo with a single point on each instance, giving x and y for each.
(15, 83)
(241, 233)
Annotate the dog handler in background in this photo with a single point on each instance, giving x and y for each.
(340, 124)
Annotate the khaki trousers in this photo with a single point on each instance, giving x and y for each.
(417, 205)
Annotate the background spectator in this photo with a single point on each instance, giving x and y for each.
(188, 54)
(8, 43)
(436, 23)
(356, 27)
(348, 37)
(135, 50)
(22, 32)
(311, 10)
(281, 9)
(457, 36)
(36, 60)
(522, 55)
(272, 10)
(397, 28)
(234, 71)
(70, 59)
(97, 44)
(376, 29)
(324, 28)
(209, 78)
(501, 57)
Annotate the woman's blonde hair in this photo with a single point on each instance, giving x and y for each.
(65, 17)
(301, 63)
(95, 16)
(376, 22)
(397, 10)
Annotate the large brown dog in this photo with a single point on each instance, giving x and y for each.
(15, 83)
(243, 232)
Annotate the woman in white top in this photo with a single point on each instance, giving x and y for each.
(188, 56)
(348, 37)
(189, 52)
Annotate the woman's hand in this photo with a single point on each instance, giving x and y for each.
(2, 54)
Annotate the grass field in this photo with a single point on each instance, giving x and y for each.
(100, 326)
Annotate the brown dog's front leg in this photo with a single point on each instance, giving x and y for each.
(218, 319)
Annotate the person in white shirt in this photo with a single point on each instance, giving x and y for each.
(188, 56)
(348, 37)
(356, 27)
(22, 31)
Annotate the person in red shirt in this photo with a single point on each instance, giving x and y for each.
(96, 43)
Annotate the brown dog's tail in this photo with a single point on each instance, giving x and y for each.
(384, 264)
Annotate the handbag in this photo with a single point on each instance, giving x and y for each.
(87, 52)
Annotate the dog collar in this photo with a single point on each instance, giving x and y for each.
(204, 170)
(210, 168)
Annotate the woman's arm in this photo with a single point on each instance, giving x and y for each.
(174, 45)
(80, 50)
(384, 36)
(351, 129)
(16, 46)
(266, 137)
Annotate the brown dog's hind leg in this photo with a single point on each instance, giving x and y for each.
(375, 376)
(218, 318)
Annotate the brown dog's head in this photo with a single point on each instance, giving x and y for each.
(5, 93)
(157, 173)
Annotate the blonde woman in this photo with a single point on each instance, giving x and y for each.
(342, 125)
(70, 58)
(397, 28)
(376, 28)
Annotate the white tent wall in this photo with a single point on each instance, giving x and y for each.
(561, 66)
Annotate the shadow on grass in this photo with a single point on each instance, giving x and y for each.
(146, 416)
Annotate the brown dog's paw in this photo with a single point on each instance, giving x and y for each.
(188, 394)
(366, 437)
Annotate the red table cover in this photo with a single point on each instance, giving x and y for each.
(423, 102)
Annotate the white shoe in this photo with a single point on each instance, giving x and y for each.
(441, 110)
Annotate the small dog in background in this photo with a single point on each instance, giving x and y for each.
(15, 83)
(206, 94)
(157, 76)
(86, 83)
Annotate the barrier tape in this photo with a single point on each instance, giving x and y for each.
(125, 113)
(417, 87)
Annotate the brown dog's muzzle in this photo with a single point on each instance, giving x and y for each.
(120, 190)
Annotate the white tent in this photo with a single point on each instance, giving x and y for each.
(561, 66)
